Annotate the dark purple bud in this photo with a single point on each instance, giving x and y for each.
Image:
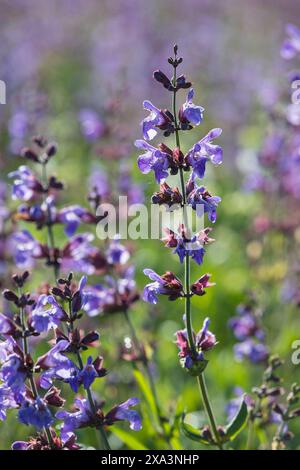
(91, 337)
(53, 397)
(76, 302)
(40, 141)
(160, 77)
(58, 292)
(10, 296)
(294, 413)
(29, 154)
(51, 150)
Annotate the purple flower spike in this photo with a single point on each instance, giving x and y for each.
(291, 46)
(155, 119)
(204, 151)
(154, 159)
(189, 112)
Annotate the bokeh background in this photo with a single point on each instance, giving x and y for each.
(78, 72)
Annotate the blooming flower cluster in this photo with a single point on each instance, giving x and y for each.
(163, 162)
(21, 373)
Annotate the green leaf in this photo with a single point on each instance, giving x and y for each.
(238, 423)
(146, 390)
(127, 437)
(193, 433)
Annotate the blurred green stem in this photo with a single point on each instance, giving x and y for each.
(188, 313)
(139, 349)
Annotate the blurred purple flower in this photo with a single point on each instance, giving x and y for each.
(7, 401)
(116, 252)
(291, 45)
(249, 349)
(91, 124)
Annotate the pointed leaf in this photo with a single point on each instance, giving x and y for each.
(129, 439)
(238, 423)
(146, 390)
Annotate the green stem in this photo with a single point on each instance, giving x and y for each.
(51, 240)
(188, 314)
(208, 409)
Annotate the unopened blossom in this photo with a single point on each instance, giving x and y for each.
(198, 287)
(47, 314)
(246, 324)
(153, 160)
(167, 284)
(202, 152)
(189, 112)
(35, 413)
(157, 119)
(291, 45)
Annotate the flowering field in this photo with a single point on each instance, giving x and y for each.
(150, 225)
